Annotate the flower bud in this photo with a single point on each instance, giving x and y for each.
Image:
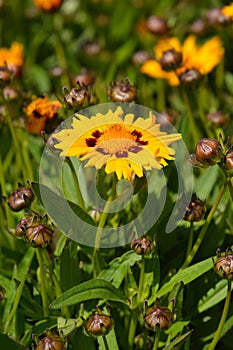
(5, 74)
(208, 152)
(83, 79)
(198, 26)
(122, 92)
(21, 227)
(158, 316)
(218, 119)
(76, 98)
(98, 324)
(214, 17)
(140, 57)
(2, 293)
(39, 235)
(195, 210)
(171, 60)
(190, 77)
(224, 265)
(20, 198)
(143, 246)
(156, 25)
(228, 160)
(51, 342)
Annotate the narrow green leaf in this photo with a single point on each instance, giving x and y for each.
(186, 276)
(93, 289)
(213, 296)
(111, 341)
(178, 341)
(10, 344)
(67, 326)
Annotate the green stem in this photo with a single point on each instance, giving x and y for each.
(132, 330)
(190, 241)
(190, 117)
(157, 337)
(218, 333)
(105, 343)
(229, 183)
(141, 279)
(200, 238)
(42, 281)
(102, 220)
(76, 183)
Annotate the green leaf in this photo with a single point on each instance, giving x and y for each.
(10, 344)
(93, 289)
(151, 277)
(56, 202)
(111, 341)
(178, 341)
(67, 326)
(213, 296)
(186, 276)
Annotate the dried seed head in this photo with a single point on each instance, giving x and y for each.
(98, 324)
(224, 266)
(76, 98)
(191, 77)
(158, 316)
(122, 91)
(157, 25)
(228, 160)
(217, 118)
(143, 246)
(39, 235)
(208, 152)
(51, 342)
(171, 60)
(21, 227)
(20, 198)
(195, 210)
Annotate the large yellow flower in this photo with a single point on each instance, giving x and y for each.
(120, 143)
(12, 57)
(201, 58)
(228, 11)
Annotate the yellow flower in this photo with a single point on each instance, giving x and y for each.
(39, 111)
(48, 5)
(228, 11)
(120, 143)
(201, 58)
(12, 57)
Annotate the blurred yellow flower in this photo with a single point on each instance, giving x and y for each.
(12, 57)
(228, 11)
(39, 111)
(48, 5)
(201, 58)
(118, 142)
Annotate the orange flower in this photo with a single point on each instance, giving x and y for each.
(48, 5)
(12, 57)
(201, 58)
(228, 11)
(39, 111)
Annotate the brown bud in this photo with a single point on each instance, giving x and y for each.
(228, 160)
(158, 316)
(157, 25)
(39, 235)
(214, 16)
(190, 77)
(171, 60)
(83, 79)
(198, 26)
(51, 342)
(217, 118)
(224, 265)
(98, 324)
(208, 152)
(76, 98)
(21, 227)
(140, 57)
(5, 74)
(20, 198)
(143, 246)
(122, 91)
(2, 293)
(90, 48)
(195, 210)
